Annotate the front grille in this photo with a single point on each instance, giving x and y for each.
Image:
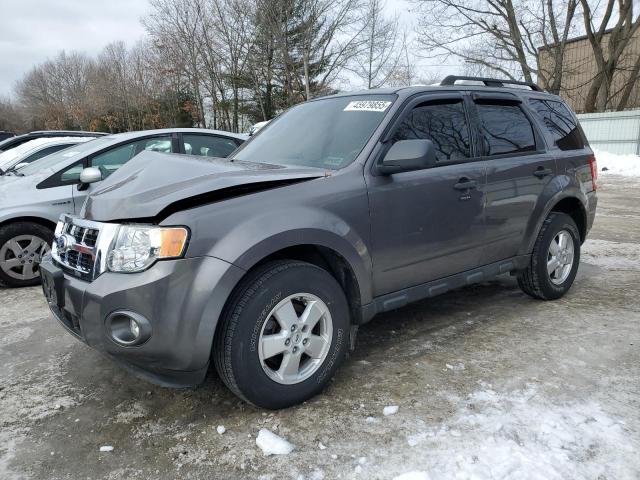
(83, 235)
(77, 260)
(75, 248)
(80, 246)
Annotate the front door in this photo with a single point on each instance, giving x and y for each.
(426, 224)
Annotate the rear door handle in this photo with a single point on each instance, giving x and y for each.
(465, 184)
(542, 172)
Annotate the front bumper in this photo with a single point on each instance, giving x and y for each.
(181, 299)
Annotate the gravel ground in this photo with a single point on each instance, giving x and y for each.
(489, 384)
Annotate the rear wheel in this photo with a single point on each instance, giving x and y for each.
(283, 334)
(22, 246)
(555, 259)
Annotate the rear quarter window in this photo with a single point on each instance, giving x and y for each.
(559, 122)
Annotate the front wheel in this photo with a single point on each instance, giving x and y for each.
(283, 334)
(22, 246)
(555, 258)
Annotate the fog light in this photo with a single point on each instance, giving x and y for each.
(127, 329)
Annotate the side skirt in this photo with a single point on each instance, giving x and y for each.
(395, 300)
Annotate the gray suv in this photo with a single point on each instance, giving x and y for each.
(267, 263)
(32, 198)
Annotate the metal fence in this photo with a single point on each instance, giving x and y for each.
(614, 132)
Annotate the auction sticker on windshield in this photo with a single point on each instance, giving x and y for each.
(367, 106)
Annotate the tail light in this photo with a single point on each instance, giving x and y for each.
(593, 166)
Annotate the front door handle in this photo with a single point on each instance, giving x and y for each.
(465, 184)
(542, 172)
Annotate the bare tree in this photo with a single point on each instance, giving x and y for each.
(55, 94)
(175, 28)
(330, 37)
(609, 47)
(11, 117)
(380, 55)
(501, 36)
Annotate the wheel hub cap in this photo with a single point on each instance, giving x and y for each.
(295, 338)
(560, 257)
(21, 256)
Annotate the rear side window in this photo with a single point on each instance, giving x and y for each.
(208, 145)
(445, 124)
(559, 121)
(44, 152)
(505, 129)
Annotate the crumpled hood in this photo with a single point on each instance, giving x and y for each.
(154, 185)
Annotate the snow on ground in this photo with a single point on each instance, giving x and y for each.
(272, 444)
(611, 255)
(627, 165)
(521, 436)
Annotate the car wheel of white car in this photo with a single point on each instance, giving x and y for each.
(22, 246)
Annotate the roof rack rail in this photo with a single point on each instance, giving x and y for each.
(489, 82)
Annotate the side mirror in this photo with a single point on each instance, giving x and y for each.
(87, 176)
(408, 155)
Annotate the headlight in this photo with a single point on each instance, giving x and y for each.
(137, 247)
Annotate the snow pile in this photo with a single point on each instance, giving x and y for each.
(627, 165)
(106, 448)
(272, 444)
(522, 436)
(390, 410)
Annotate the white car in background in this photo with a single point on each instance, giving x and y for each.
(35, 149)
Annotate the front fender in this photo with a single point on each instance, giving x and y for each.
(251, 241)
(16, 214)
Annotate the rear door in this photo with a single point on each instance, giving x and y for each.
(518, 169)
(427, 224)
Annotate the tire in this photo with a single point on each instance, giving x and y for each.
(22, 245)
(536, 280)
(248, 320)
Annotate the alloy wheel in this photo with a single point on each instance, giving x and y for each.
(560, 257)
(21, 255)
(295, 338)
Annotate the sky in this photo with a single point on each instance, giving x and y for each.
(34, 30)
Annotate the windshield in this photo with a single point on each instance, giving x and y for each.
(65, 156)
(327, 133)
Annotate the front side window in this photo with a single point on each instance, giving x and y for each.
(111, 160)
(208, 145)
(445, 124)
(559, 121)
(327, 133)
(505, 129)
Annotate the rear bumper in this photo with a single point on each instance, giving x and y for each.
(181, 299)
(592, 203)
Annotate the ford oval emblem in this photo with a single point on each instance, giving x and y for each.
(62, 242)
